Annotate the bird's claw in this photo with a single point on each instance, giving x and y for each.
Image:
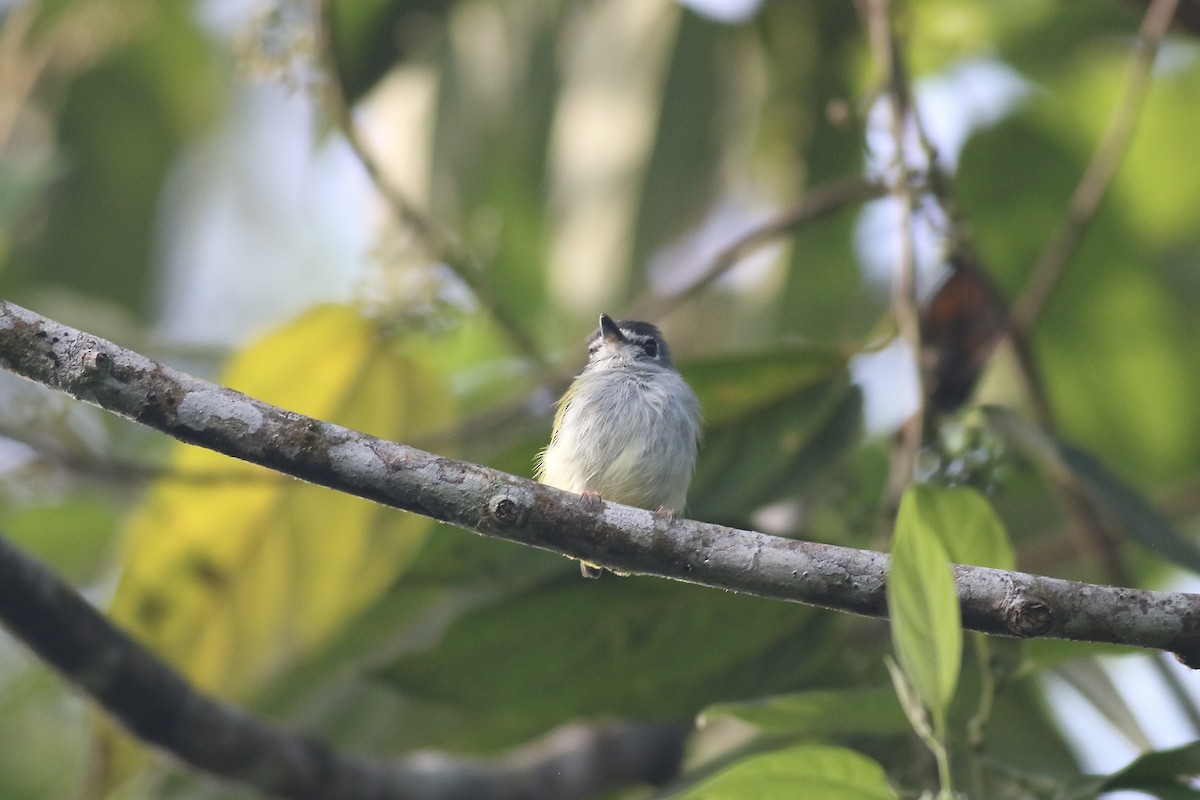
(591, 500)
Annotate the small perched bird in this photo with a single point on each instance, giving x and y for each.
(628, 426)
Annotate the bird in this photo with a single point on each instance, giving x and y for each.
(628, 428)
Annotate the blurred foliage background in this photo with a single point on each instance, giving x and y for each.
(182, 178)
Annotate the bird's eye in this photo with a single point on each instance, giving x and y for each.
(650, 347)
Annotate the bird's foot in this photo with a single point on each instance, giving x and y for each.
(591, 500)
(662, 512)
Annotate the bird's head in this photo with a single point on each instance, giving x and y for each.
(627, 344)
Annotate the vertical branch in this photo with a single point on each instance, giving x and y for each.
(904, 286)
(437, 243)
(1093, 186)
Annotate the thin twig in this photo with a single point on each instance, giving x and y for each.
(905, 311)
(817, 202)
(1082, 207)
(1033, 385)
(437, 243)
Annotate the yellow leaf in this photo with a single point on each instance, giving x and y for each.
(234, 576)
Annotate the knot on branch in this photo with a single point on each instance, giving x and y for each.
(506, 510)
(1190, 657)
(1026, 615)
(95, 362)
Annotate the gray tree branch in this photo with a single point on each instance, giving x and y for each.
(155, 703)
(622, 538)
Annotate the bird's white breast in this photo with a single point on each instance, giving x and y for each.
(629, 436)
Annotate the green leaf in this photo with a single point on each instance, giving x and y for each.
(810, 771)
(1122, 324)
(774, 423)
(827, 711)
(823, 297)
(910, 703)
(637, 647)
(1063, 462)
(832, 304)
(40, 734)
(72, 534)
(1152, 194)
(681, 177)
(923, 603)
(371, 37)
(1047, 41)
(453, 557)
(732, 388)
(966, 525)
(1164, 773)
(1139, 519)
(1052, 652)
(154, 84)
(1088, 678)
(490, 146)
(1021, 730)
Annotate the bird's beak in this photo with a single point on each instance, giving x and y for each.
(609, 329)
